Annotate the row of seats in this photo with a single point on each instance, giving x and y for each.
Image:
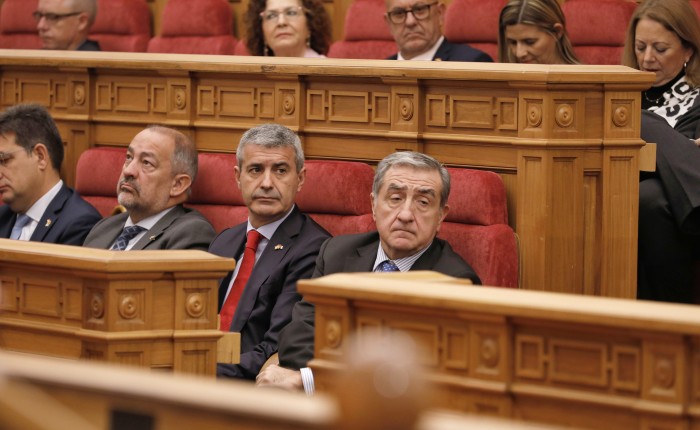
(596, 27)
(336, 195)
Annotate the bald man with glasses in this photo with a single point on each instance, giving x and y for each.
(417, 29)
(65, 24)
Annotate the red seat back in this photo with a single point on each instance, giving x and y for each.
(196, 27)
(366, 34)
(96, 177)
(122, 25)
(17, 26)
(474, 22)
(597, 28)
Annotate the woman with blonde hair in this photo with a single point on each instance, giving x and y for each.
(663, 38)
(534, 31)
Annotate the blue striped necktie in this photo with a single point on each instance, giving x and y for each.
(127, 234)
(22, 220)
(388, 266)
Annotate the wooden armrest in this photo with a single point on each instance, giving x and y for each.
(228, 348)
(647, 158)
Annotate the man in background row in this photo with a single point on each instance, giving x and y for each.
(65, 24)
(417, 30)
(156, 179)
(38, 205)
(409, 203)
(275, 248)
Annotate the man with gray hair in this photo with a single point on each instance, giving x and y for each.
(275, 248)
(159, 170)
(65, 24)
(409, 202)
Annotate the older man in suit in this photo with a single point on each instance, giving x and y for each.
(159, 170)
(417, 29)
(276, 246)
(409, 202)
(38, 205)
(65, 24)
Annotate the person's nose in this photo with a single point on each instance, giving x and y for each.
(520, 50)
(266, 182)
(410, 19)
(405, 214)
(41, 24)
(648, 56)
(129, 170)
(281, 19)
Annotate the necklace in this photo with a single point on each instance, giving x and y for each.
(651, 100)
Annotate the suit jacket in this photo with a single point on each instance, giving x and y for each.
(67, 220)
(356, 253)
(89, 45)
(266, 304)
(181, 228)
(456, 52)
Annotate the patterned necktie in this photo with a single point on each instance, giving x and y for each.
(388, 266)
(21, 221)
(127, 234)
(229, 307)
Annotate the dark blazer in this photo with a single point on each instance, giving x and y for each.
(356, 253)
(67, 220)
(181, 228)
(89, 45)
(456, 52)
(271, 292)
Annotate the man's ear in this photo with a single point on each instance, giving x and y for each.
(181, 184)
(444, 211)
(42, 154)
(237, 174)
(83, 22)
(371, 197)
(302, 178)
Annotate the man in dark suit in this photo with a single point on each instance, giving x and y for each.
(409, 202)
(65, 24)
(417, 30)
(157, 176)
(38, 205)
(258, 302)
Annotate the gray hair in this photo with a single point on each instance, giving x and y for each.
(87, 6)
(415, 160)
(185, 155)
(272, 136)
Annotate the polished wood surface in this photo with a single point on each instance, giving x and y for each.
(153, 309)
(591, 362)
(565, 139)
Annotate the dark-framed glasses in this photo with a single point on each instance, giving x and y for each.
(420, 12)
(52, 17)
(6, 156)
(289, 13)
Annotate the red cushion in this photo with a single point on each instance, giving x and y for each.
(212, 45)
(17, 26)
(364, 20)
(476, 197)
(468, 21)
(197, 18)
(97, 174)
(122, 25)
(366, 49)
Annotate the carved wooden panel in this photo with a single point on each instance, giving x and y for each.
(9, 294)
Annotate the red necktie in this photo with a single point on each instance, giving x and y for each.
(229, 307)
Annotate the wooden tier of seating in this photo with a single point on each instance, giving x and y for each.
(38, 393)
(155, 309)
(585, 362)
(565, 139)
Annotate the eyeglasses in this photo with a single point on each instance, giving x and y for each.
(420, 12)
(52, 17)
(6, 156)
(289, 13)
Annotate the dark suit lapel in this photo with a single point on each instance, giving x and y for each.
(48, 219)
(7, 221)
(278, 246)
(154, 233)
(443, 52)
(235, 250)
(429, 258)
(363, 260)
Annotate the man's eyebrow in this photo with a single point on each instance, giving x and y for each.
(397, 187)
(427, 191)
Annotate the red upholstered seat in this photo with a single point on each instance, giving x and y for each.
(474, 22)
(196, 27)
(17, 26)
(477, 226)
(366, 34)
(337, 195)
(96, 177)
(597, 28)
(122, 25)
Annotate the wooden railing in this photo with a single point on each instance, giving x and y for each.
(586, 362)
(565, 139)
(155, 309)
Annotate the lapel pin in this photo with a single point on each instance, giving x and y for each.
(48, 223)
(278, 247)
(152, 238)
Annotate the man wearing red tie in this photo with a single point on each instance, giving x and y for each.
(276, 247)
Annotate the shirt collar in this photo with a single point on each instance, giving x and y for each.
(268, 230)
(150, 221)
(39, 207)
(404, 264)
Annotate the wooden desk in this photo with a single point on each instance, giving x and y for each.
(154, 309)
(565, 139)
(590, 362)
